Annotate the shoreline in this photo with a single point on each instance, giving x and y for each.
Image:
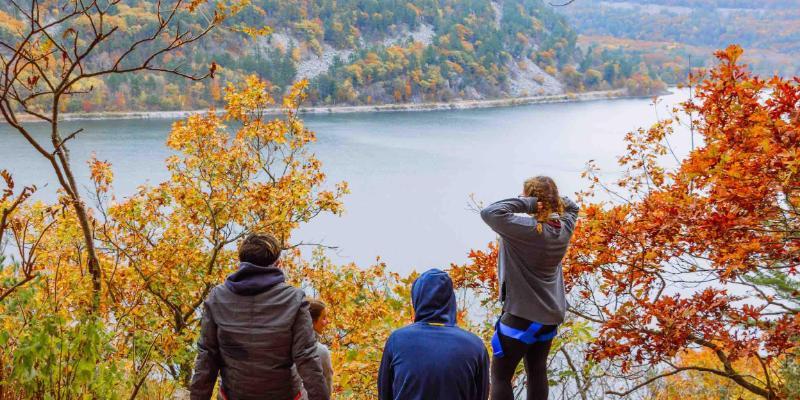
(392, 107)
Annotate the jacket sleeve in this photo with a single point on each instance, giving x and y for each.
(327, 367)
(304, 352)
(386, 373)
(500, 216)
(206, 365)
(570, 214)
(482, 380)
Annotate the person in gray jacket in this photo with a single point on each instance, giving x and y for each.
(319, 315)
(256, 334)
(535, 230)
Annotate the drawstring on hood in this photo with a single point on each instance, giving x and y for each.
(252, 279)
(433, 298)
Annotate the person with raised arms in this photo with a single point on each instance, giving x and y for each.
(535, 230)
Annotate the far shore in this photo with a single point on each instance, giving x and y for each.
(409, 107)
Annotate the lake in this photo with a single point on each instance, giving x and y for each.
(411, 173)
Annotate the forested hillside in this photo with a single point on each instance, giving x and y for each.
(369, 52)
(688, 31)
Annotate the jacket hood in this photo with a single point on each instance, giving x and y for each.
(433, 298)
(252, 279)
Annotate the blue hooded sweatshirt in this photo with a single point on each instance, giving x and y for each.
(433, 359)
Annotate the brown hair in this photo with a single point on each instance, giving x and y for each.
(546, 192)
(315, 307)
(260, 249)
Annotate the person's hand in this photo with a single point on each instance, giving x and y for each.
(539, 205)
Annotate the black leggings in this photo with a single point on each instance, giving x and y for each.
(535, 356)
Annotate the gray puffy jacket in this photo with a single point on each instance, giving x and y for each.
(258, 337)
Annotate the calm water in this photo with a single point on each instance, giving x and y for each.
(411, 174)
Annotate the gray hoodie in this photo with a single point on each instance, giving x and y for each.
(529, 265)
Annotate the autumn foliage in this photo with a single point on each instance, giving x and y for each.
(700, 256)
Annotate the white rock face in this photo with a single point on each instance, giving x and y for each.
(497, 6)
(313, 65)
(527, 79)
(423, 34)
(277, 39)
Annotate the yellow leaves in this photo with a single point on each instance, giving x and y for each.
(296, 96)
(164, 247)
(365, 305)
(255, 33)
(45, 46)
(693, 385)
(247, 100)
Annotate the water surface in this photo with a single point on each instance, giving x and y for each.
(411, 174)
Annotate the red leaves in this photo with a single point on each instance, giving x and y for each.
(650, 332)
(9, 182)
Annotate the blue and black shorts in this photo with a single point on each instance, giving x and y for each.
(523, 330)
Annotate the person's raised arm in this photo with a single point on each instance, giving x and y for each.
(501, 216)
(206, 365)
(570, 214)
(304, 352)
(386, 373)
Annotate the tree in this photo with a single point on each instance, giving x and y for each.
(42, 69)
(679, 262)
(221, 188)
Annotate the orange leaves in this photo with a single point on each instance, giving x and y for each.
(698, 385)
(101, 174)
(480, 274)
(671, 323)
(9, 184)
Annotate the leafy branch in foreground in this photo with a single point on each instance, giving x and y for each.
(53, 56)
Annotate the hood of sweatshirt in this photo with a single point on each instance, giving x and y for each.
(252, 279)
(433, 298)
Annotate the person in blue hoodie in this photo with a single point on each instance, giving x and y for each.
(433, 358)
